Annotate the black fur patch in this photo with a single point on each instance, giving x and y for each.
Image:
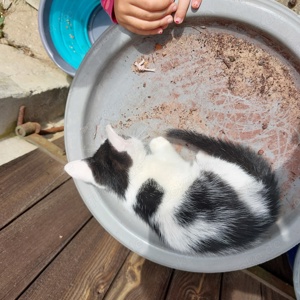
(246, 158)
(207, 198)
(155, 227)
(242, 230)
(149, 198)
(214, 201)
(111, 168)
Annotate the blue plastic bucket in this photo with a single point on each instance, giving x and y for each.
(69, 28)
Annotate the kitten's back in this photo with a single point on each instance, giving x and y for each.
(246, 158)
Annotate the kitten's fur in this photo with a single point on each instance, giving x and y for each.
(220, 203)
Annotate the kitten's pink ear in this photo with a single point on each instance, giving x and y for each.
(117, 141)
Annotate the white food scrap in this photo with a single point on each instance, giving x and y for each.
(140, 66)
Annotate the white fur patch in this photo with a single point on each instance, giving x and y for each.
(168, 169)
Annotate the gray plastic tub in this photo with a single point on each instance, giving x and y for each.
(231, 70)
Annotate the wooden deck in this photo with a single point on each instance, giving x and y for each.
(52, 248)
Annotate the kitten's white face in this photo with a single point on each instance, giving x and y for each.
(80, 169)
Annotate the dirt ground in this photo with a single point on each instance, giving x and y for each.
(20, 29)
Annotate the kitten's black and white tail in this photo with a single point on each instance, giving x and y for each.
(243, 156)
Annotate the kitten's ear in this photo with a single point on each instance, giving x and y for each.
(117, 141)
(79, 169)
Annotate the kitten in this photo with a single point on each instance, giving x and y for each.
(222, 202)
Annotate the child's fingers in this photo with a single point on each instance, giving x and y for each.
(183, 6)
(145, 32)
(142, 14)
(196, 4)
(145, 27)
(152, 5)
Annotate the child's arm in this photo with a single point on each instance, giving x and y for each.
(108, 6)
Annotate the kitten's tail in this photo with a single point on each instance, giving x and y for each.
(246, 158)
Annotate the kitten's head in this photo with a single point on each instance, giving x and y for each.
(109, 166)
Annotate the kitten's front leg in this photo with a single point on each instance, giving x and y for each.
(159, 144)
(164, 148)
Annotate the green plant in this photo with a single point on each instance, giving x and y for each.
(1, 20)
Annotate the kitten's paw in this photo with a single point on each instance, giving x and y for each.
(159, 143)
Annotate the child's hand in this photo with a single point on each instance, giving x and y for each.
(147, 17)
(183, 6)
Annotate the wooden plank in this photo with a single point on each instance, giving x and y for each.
(140, 279)
(280, 267)
(25, 181)
(60, 142)
(187, 285)
(47, 147)
(237, 285)
(272, 282)
(29, 243)
(83, 270)
(270, 294)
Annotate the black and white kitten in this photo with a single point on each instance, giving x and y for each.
(222, 202)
